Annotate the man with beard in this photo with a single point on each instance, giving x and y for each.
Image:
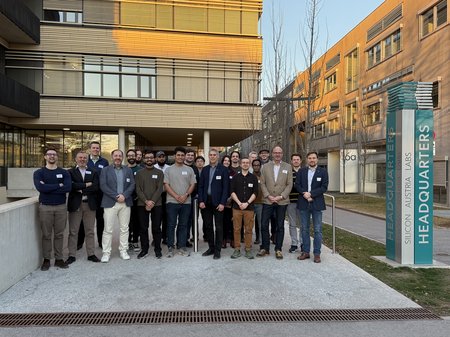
(133, 226)
(53, 183)
(235, 157)
(149, 186)
(117, 184)
(264, 156)
(311, 184)
(139, 158)
(161, 165)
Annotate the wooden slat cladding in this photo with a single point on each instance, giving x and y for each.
(64, 5)
(117, 113)
(148, 44)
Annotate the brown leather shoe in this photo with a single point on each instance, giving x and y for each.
(45, 265)
(317, 259)
(303, 256)
(61, 264)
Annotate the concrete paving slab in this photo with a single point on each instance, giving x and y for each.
(196, 282)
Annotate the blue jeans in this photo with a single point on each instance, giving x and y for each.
(180, 211)
(280, 212)
(305, 215)
(258, 219)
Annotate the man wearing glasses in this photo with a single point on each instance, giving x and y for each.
(53, 183)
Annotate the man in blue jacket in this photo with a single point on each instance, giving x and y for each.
(117, 184)
(53, 183)
(311, 184)
(213, 192)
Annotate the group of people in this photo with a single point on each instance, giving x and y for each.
(235, 195)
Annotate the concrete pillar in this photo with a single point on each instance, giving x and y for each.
(122, 142)
(206, 145)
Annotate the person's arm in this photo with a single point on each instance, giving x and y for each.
(93, 186)
(264, 190)
(105, 187)
(226, 188)
(140, 187)
(66, 185)
(323, 185)
(41, 186)
(128, 190)
(287, 190)
(158, 191)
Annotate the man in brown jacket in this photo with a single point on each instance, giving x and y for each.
(149, 186)
(276, 184)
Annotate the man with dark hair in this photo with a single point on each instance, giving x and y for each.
(292, 211)
(189, 160)
(161, 165)
(133, 226)
(149, 186)
(311, 184)
(139, 158)
(179, 182)
(117, 184)
(52, 183)
(276, 184)
(82, 205)
(235, 166)
(258, 203)
(213, 192)
(97, 162)
(264, 156)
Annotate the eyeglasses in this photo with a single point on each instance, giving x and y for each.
(51, 154)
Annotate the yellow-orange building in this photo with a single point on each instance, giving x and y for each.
(400, 41)
(144, 73)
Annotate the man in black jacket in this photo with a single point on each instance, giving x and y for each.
(82, 205)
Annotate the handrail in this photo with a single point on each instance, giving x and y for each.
(333, 227)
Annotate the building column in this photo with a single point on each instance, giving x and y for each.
(206, 146)
(122, 142)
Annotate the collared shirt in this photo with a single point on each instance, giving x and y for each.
(244, 187)
(82, 171)
(276, 170)
(311, 172)
(119, 176)
(94, 159)
(212, 170)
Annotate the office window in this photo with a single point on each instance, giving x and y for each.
(319, 130)
(351, 71)
(334, 107)
(350, 122)
(435, 94)
(433, 18)
(372, 114)
(330, 82)
(374, 55)
(63, 16)
(333, 126)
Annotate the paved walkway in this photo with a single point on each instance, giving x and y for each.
(375, 229)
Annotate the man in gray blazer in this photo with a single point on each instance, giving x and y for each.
(276, 184)
(117, 185)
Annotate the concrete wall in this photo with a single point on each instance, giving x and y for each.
(20, 242)
(20, 183)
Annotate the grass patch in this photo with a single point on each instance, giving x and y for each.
(375, 206)
(429, 288)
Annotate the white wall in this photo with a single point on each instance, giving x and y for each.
(333, 168)
(20, 183)
(351, 171)
(20, 241)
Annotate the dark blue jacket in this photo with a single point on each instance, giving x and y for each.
(220, 185)
(319, 186)
(47, 182)
(99, 164)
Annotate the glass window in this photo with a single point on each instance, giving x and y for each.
(330, 82)
(441, 13)
(350, 122)
(92, 84)
(373, 113)
(427, 22)
(351, 71)
(129, 83)
(374, 55)
(34, 146)
(72, 144)
(109, 142)
(333, 126)
(435, 94)
(54, 139)
(433, 17)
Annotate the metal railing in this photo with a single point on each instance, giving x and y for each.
(333, 222)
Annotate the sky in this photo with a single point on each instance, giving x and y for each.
(335, 19)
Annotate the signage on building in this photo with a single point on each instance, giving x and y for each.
(409, 174)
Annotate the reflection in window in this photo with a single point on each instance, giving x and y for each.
(63, 16)
(433, 18)
(373, 113)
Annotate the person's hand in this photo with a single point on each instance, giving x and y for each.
(202, 205)
(121, 198)
(220, 208)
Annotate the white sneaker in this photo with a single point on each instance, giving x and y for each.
(105, 258)
(184, 252)
(124, 255)
(170, 252)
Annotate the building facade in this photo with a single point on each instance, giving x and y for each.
(400, 41)
(147, 73)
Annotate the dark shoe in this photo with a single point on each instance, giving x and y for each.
(93, 258)
(79, 247)
(45, 265)
(317, 259)
(303, 256)
(142, 255)
(188, 244)
(61, 264)
(164, 242)
(216, 255)
(158, 255)
(100, 246)
(209, 252)
(257, 242)
(71, 260)
(224, 244)
(292, 249)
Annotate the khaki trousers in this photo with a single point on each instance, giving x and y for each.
(53, 220)
(248, 217)
(121, 212)
(88, 216)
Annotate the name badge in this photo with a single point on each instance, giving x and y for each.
(259, 181)
(128, 180)
(250, 185)
(100, 166)
(155, 176)
(231, 177)
(284, 171)
(59, 175)
(218, 177)
(88, 172)
(134, 173)
(184, 173)
(319, 179)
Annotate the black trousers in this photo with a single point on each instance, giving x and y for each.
(213, 218)
(156, 217)
(133, 226)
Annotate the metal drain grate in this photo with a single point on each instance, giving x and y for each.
(212, 316)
